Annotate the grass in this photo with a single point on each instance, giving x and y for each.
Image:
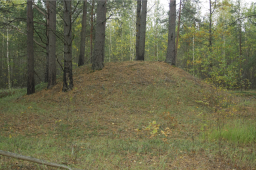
(130, 115)
(237, 131)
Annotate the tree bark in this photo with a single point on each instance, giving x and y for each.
(67, 75)
(142, 30)
(81, 60)
(171, 55)
(47, 44)
(8, 59)
(91, 36)
(30, 49)
(52, 44)
(138, 28)
(98, 56)
(178, 32)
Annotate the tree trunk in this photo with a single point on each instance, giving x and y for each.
(52, 44)
(67, 75)
(47, 44)
(81, 59)
(110, 43)
(30, 49)
(178, 32)
(91, 28)
(8, 60)
(210, 26)
(138, 28)
(98, 56)
(171, 55)
(142, 30)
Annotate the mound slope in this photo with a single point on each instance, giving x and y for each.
(114, 111)
(130, 74)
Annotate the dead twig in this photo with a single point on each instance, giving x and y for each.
(40, 161)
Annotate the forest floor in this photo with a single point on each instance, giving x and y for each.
(130, 115)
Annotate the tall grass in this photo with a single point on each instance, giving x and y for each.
(237, 131)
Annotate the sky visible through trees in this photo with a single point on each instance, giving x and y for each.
(204, 4)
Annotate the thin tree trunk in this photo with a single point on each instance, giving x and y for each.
(240, 38)
(210, 26)
(1, 60)
(98, 56)
(170, 56)
(110, 43)
(30, 49)
(91, 34)
(142, 30)
(122, 55)
(193, 54)
(178, 32)
(8, 60)
(67, 75)
(3, 53)
(46, 74)
(138, 28)
(81, 59)
(156, 28)
(52, 44)
(130, 44)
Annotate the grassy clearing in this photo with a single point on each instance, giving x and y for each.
(130, 115)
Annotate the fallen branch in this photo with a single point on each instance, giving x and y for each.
(27, 158)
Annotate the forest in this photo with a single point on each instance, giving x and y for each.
(217, 44)
(127, 84)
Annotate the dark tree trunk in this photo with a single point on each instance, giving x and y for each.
(98, 56)
(52, 44)
(30, 49)
(67, 75)
(91, 32)
(138, 28)
(81, 59)
(142, 30)
(47, 44)
(170, 56)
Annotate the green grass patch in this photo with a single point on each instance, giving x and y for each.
(251, 93)
(11, 93)
(237, 131)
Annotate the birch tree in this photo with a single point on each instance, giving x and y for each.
(67, 75)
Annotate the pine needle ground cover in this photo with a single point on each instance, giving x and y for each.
(130, 115)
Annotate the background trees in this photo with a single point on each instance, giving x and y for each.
(229, 28)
